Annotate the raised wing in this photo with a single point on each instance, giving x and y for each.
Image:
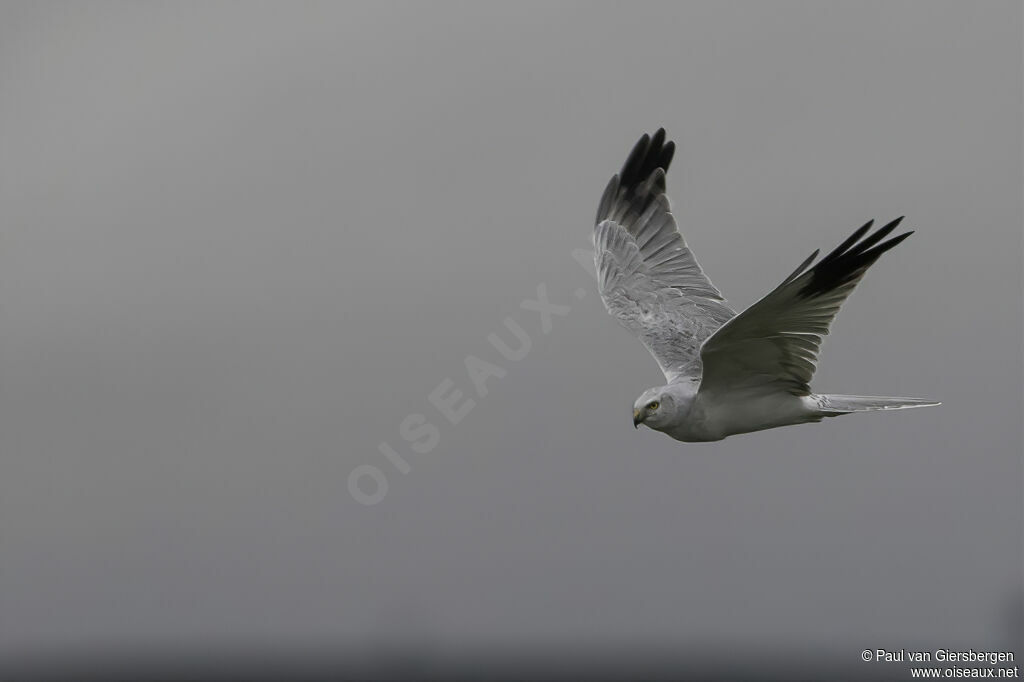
(647, 276)
(775, 342)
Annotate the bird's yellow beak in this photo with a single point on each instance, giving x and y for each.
(637, 419)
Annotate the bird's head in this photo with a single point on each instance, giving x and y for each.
(664, 407)
(654, 408)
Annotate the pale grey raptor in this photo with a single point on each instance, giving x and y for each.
(725, 373)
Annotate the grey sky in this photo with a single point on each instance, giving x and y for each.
(241, 242)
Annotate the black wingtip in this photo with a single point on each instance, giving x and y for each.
(667, 152)
(878, 235)
(631, 169)
(847, 243)
(658, 138)
(882, 248)
(650, 153)
(849, 260)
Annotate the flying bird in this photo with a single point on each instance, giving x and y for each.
(725, 373)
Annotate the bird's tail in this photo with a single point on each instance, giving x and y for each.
(832, 405)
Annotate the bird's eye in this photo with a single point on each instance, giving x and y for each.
(652, 406)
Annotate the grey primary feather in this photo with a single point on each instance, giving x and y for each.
(648, 277)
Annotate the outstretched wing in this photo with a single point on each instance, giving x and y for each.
(647, 276)
(775, 342)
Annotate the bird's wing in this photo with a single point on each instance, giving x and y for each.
(648, 278)
(774, 343)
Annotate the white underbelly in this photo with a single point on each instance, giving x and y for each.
(716, 417)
